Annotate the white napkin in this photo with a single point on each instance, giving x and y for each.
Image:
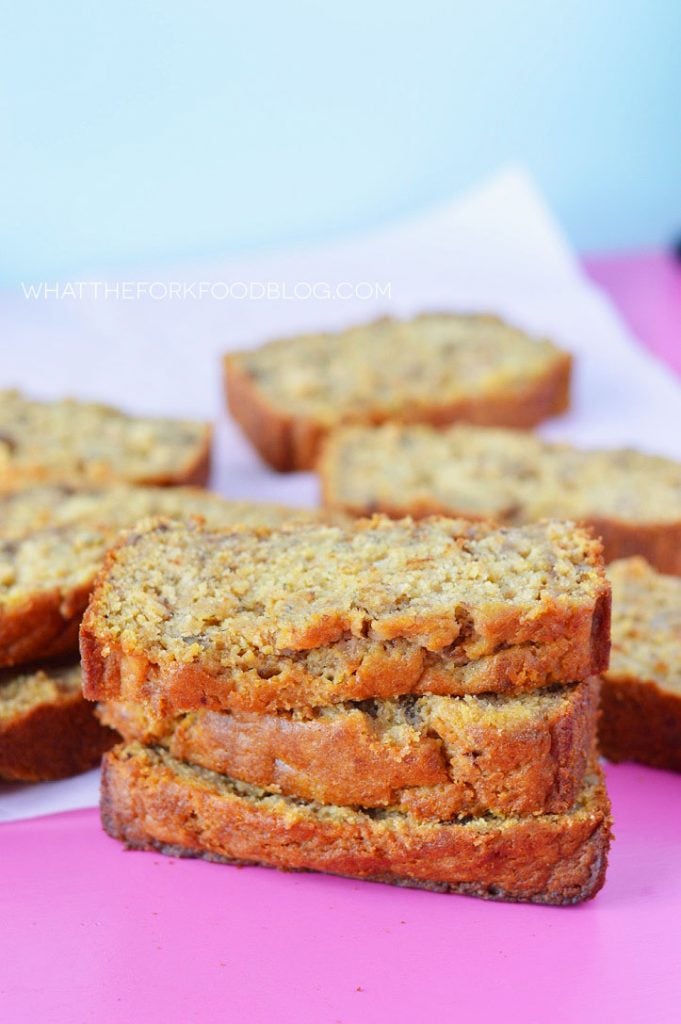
(496, 249)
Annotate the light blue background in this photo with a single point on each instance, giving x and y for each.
(138, 132)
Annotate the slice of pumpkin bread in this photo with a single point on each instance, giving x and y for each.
(52, 544)
(118, 506)
(47, 729)
(185, 616)
(287, 395)
(152, 801)
(82, 442)
(632, 500)
(641, 702)
(434, 757)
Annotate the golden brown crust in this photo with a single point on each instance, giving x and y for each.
(285, 442)
(458, 758)
(151, 801)
(658, 543)
(640, 722)
(53, 740)
(45, 626)
(289, 442)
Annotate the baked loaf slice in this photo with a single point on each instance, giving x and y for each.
(632, 500)
(433, 757)
(186, 617)
(47, 729)
(288, 394)
(53, 542)
(641, 703)
(119, 506)
(152, 801)
(80, 442)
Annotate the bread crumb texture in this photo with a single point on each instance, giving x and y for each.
(89, 443)
(389, 366)
(186, 593)
(23, 691)
(646, 624)
(507, 475)
(56, 536)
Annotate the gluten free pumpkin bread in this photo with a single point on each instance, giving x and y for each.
(641, 701)
(432, 757)
(47, 729)
(184, 616)
(52, 544)
(82, 442)
(119, 506)
(155, 802)
(288, 394)
(632, 500)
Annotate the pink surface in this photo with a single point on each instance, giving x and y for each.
(93, 933)
(647, 290)
(100, 934)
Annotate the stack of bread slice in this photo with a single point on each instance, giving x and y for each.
(408, 702)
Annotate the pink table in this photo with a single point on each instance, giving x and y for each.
(93, 933)
(647, 289)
